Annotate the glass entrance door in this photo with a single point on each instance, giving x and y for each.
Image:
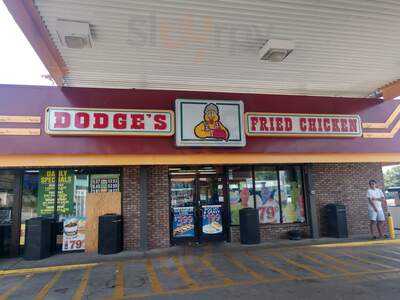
(182, 191)
(211, 207)
(197, 204)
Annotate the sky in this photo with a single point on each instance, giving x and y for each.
(387, 168)
(19, 63)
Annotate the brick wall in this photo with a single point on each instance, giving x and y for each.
(345, 184)
(333, 183)
(158, 211)
(131, 207)
(158, 207)
(272, 231)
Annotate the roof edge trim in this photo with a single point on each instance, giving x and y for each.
(59, 160)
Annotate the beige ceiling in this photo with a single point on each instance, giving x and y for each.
(342, 48)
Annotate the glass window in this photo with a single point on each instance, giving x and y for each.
(81, 188)
(292, 196)
(267, 194)
(182, 205)
(278, 193)
(182, 192)
(29, 200)
(241, 194)
(29, 195)
(73, 186)
(7, 211)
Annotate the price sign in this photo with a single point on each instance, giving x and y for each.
(183, 225)
(212, 219)
(71, 245)
(74, 234)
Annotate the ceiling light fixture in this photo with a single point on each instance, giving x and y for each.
(276, 50)
(74, 35)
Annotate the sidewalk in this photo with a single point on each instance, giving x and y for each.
(66, 259)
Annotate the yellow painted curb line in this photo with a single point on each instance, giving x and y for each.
(357, 244)
(46, 269)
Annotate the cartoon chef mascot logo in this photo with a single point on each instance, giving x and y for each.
(211, 128)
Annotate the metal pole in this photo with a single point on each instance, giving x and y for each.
(311, 203)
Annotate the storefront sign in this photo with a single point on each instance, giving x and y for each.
(212, 220)
(46, 192)
(183, 225)
(209, 123)
(82, 121)
(74, 234)
(270, 124)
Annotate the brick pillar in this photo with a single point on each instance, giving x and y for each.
(131, 207)
(158, 207)
(345, 184)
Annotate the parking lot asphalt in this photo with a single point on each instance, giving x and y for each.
(363, 270)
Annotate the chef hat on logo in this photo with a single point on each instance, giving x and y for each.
(211, 107)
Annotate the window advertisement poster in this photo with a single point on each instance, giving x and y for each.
(74, 234)
(268, 206)
(212, 219)
(240, 196)
(183, 225)
(46, 192)
(291, 195)
(104, 183)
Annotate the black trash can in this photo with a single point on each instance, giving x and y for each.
(110, 234)
(249, 226)
(38, 238)
(5, 239)
(57, 229)
(5, 230)
(294, 235)
(337, 220)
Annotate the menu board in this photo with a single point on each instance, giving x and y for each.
(46, 192)
(65, 196)
(212, 220)
(104, 183)
(74, 234)
(183, 225)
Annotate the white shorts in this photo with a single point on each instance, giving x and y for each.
(376, 216)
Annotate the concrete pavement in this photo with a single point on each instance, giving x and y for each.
(360, 270)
